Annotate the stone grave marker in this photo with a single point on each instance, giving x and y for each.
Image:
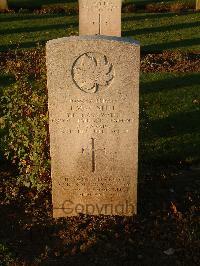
(93, 91)
(3, 4)
(197, 4)
(100, 17)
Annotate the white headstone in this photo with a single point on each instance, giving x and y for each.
(100, 17)
(3, 4)
(197, 4)
(93, 88)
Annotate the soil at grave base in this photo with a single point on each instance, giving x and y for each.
(167, 61)
(165, 231)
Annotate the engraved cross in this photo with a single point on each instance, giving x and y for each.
(92, 150)
(94, 154)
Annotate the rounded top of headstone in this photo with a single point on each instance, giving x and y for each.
(94, 37)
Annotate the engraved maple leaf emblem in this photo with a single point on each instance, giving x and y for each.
(92, 71)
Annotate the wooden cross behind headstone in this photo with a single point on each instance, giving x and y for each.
(100, 17)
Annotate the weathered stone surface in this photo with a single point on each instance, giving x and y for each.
(100, 17)
(3, 4)
(197, 4)
(93, 87)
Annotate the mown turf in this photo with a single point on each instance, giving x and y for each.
(170, 131)
(26, 30)
(174, 31)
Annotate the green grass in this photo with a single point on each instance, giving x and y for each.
(174, 31)
(170, 108)
(26, 30)
(164, 31)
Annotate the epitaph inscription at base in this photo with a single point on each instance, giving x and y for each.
(93, 88)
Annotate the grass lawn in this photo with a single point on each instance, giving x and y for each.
(170, 131)
(174, 31)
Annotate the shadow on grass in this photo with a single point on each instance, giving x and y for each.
(168, 149)
(170, 83)
(5, 80)
(172, 45)
(39, 28)
(157, 47)
(166, 142)
(149, 16)
(178, 125)
(13, 18)
(30, 4)
(150, 30)
(174, 140)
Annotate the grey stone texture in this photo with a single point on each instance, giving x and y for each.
(100, 17)
(93, 90)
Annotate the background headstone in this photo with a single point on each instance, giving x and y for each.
(93, 87)
(3, 4)
(197, 4)
(100, 17)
